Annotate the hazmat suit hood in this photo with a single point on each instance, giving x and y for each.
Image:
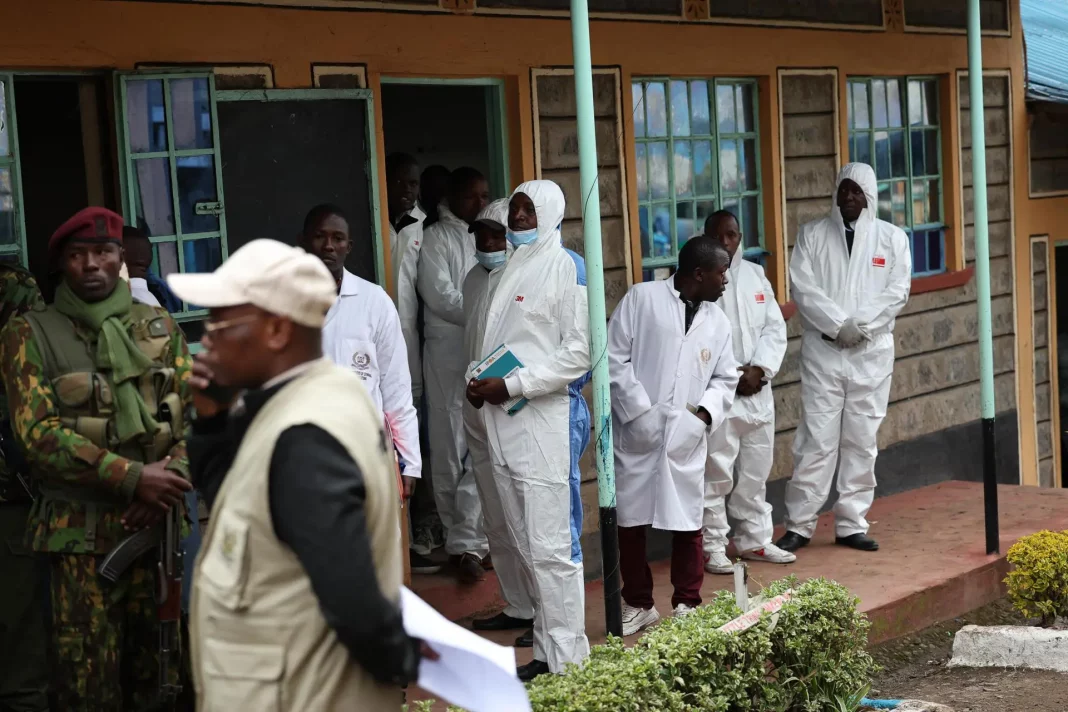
(548, 202)
(863, 175)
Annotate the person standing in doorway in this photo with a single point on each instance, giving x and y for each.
(673, 376)
(433, 188)
(447, 255)
(740, 451)
(850, 275)
(145, 285)
(362, 333)
(87, 382)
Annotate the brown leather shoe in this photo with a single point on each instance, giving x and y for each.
(469, 568)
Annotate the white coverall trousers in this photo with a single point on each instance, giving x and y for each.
(844, 393)
(739, 462)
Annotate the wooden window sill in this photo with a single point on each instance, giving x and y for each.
(934, 283)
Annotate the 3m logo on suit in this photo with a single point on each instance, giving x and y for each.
(878, 261)
(519, 298)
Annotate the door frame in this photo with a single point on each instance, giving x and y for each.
(370, 165)
(496, 121)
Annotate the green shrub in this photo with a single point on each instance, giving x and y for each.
(1038, 583)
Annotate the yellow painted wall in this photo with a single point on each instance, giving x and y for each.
(108, 34)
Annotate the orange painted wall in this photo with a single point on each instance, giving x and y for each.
(109, 34)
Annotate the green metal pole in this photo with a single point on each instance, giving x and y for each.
(982, 274)
(591, 227)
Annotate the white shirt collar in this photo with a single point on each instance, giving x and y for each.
(350, 285)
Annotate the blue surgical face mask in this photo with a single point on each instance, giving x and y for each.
(519, 238)
(491, 260)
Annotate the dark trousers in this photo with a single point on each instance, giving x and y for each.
(23, 611)
(687, 568)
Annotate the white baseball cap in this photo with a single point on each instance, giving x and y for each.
(268, 274)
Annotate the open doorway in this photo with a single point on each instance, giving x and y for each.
(449, 122)
(1060, 266)
(64, 153)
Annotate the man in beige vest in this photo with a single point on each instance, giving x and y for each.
(295, 594)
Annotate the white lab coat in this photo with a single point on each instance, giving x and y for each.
(741, 450)
(446, 256)
(539, 311)
(844, 392)
(363, 333)
(404, 255)
(656, 371)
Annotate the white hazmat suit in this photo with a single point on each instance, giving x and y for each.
(539, 311)
(740, 451)
(844, 391)
(404, 247)
(447, 255)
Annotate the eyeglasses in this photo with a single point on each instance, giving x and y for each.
(212, 327)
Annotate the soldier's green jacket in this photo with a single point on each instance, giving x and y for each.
(59, 456)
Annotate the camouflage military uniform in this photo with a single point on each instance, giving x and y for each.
(23, 637)
(105, 636)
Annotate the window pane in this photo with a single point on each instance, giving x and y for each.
(898, 155)
(935, 258)
(893, 98)
(638, 109)
(731, 205)
(658, 170)
(152, 197)
(190, 113)
(930, 102)
(934, 201)
(749, 164)
(202, 255)
(647, 242)
(655, 109)
(898, 205)
(882, 155)
(919, 202)
(725, 113)
(750, 222)
(685, 226)
(683, 170)
(661, 231)
(743, 97)
(884, 202)
(146, 116)
(704, 209)
(4, 134)
(919, 252)
(880, 118)
(915, 103)
(863, 154)
(931, 152)
(700, 125)
(167, 258)
(703, 182)
(862, 120)
(196, 184)
(7, 208)
(728, 166)
(919, 163)
(680, 110)
(643, 172)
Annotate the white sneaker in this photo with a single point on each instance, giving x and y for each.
(635, 619)
(682, 609)
(716, 562)
(771, 554)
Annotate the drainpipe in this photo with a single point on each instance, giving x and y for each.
(982, 275)
(591, 228)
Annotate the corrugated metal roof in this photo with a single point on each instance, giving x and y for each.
(1045, 24)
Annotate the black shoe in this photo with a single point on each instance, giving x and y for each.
(792, 541)
(422, 564)
(468, 568)
(526, 640)
(860, 542)
(501, 621)
(531, 670)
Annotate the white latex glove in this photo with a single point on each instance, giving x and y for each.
(850, 334)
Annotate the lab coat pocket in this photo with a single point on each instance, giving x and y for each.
(241, 676)
(223, 573)
(644, 433)
(689, 436)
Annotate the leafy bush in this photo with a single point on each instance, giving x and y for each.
(1038, 583)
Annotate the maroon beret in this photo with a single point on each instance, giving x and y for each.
(88, 225)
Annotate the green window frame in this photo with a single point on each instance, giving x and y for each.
(172, 175)
(697, 150)
(12, 219)
(894, 126)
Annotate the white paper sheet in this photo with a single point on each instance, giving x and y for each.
(473, 672)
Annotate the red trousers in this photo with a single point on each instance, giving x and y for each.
(687, 568)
